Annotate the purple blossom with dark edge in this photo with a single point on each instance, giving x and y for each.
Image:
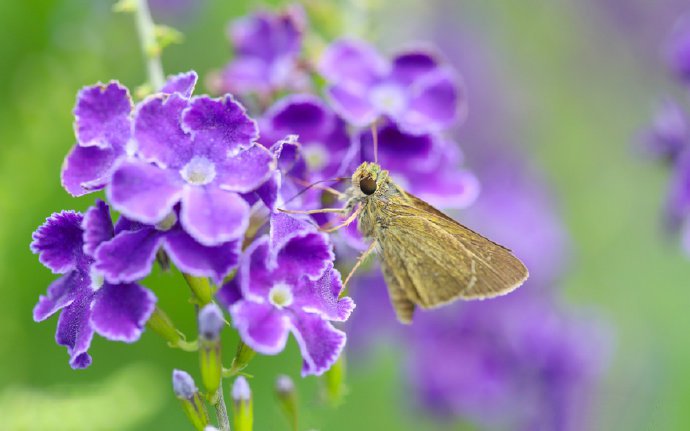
(669, 133)
(199, 152)
(515, 363)
(267, 47)
(326, 146)
(117, 312)
(286, 283)
(678, 49)
(414, 89)
(426, 165)
(129, 254)
(103, 127)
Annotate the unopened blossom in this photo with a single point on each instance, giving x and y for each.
(267, 47)
(414, 89)
(199, 152)
(103, 127)
(129, 255)
(86, 302)
(285, 284)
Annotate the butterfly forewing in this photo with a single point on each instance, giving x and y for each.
(433, 259)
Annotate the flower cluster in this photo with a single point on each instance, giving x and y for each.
(668, 137)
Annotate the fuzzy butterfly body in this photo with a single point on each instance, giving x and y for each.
(428, 259)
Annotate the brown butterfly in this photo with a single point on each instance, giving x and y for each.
(428, 259)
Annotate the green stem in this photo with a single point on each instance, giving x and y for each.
(152, 51)
(221, 411)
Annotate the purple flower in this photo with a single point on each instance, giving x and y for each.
(414, 89)
(515, 363)
(678, 49)
(325, 144)
(115, 311)
(130, 254)
(288, 284)
(267, 48)
(103, 128)
(199, 152)
(670, 131)
(426, 165)
(678, 200)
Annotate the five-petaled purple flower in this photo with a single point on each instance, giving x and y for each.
(66, 243)
(415, 90)
(267, 48)
(286, 283)
(199, 152)
(103, 128)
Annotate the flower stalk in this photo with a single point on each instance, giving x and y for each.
(147, 37)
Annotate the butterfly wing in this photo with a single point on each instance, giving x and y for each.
(435, 259)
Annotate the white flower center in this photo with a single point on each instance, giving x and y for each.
(97, 279)
(280, 295)
(388, 98)
(199, 171)
(315, 155)
(168, 222)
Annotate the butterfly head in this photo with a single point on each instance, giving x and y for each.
(368, 178)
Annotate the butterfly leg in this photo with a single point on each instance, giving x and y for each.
(349, 220)
(316, 211)
(359, 262)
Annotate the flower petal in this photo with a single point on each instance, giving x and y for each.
(262, 326)
(129, 256)
(306, 255)
(61, 293)
(144, 192)
(319, 342)
(197, 259)
(102, 116)
(284, 227)
(353, 62)
(352, 104)
(247, 170)
(158, 132)
(218, 126)
(255, 279)
(182, 83)
(97, 226)
(323, 296)
(213, 216)
(74, 330)
(410, 66)
(304, 115)
(230, 293)
(87, 169)
(437, 101)
(120, 311)
(58, 242)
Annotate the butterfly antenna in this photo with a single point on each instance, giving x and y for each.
(375, 138)
(312, 185)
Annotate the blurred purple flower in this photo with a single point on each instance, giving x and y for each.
(103, 127)
(516, 362)
(669, 134)
(200, 152)
(286, 283)
(426, 165)
(414, 89)
(267, 49)
(325, 144)
(117, 312)
(678, 49)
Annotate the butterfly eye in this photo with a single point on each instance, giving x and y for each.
(367, 185)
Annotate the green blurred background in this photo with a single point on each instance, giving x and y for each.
(582, 83)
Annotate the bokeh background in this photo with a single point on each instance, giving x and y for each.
(563, 86)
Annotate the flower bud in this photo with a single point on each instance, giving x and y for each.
(243, 416)
(160, 323)
(186, 391)
(242, 357)
(287, 398)
(211, 323)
